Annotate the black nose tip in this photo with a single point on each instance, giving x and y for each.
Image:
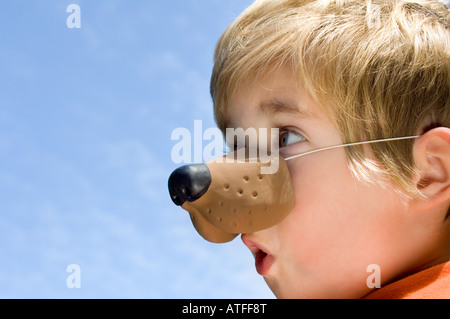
(189, 183)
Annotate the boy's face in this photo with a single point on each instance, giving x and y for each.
(339, 225)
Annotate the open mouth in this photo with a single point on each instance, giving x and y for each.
(260, 262)
(263, 260)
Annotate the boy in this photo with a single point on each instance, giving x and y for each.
(335, 72)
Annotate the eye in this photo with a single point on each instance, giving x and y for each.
(288, 138)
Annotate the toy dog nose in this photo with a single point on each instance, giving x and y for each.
(189, 183)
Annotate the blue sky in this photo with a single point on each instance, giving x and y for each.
(86, 117)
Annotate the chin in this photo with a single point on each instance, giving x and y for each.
(277, 290)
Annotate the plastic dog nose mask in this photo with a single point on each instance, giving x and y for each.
(226, 199)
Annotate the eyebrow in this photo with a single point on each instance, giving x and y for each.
(276, 105)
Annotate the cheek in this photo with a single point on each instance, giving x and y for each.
(322, 181)
(318, 186)
(335, 216)
(337, 228)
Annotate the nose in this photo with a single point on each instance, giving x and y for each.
(189, 183)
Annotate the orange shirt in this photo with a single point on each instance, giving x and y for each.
(431, 283)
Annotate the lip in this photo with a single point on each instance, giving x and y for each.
(263, 259)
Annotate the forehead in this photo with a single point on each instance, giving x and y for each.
(275, 94)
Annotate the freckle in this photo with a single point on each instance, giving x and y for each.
(255, 194)
(240, 191)
(219, 219)
(246, 178)
(209, 211)
(220, 203)
(226, 187)
(260, 177)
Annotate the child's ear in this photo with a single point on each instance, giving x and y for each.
(432, 157)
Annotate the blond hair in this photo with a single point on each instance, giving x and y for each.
(379, 68)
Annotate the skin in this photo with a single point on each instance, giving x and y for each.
(339, 225)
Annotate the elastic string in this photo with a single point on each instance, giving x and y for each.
(351, 144)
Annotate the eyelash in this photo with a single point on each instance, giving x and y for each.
(281, 129)
(285, 130)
